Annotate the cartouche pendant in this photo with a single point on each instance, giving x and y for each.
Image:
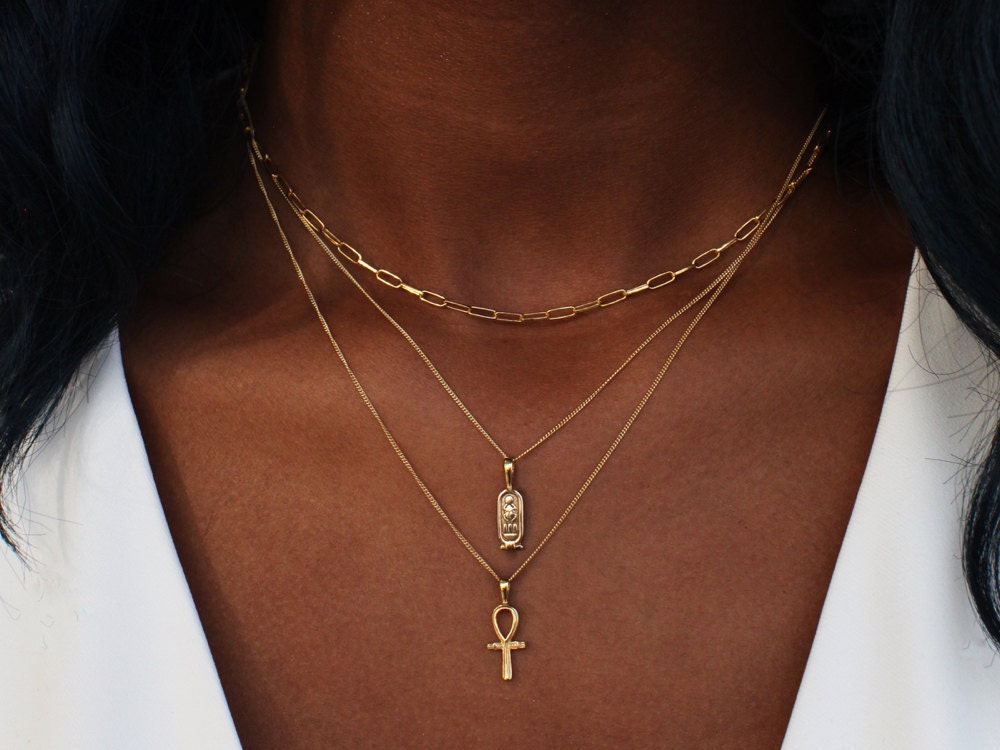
(510, 511)
(506, 642)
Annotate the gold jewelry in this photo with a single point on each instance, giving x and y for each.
(510, 502)
(506, 642)
(746, 230)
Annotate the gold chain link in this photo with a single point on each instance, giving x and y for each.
(393, 280)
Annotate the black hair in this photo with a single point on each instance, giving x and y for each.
(110, 110)
(937, 113)
(107, 112)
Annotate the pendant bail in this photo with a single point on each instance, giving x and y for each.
(508, 473)
(504, 591)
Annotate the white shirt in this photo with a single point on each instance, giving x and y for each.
(101, 646)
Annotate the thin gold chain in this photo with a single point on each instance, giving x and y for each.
(317, 234)
(447, 386)
(789, 187)
(318, 227)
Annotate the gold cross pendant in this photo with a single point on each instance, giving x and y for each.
(506, 643)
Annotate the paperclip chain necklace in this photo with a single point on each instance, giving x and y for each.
(510, 507)
(505, 642)
(393, 280)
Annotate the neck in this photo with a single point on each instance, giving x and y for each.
(588, 146)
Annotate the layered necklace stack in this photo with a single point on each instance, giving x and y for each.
(510, 507)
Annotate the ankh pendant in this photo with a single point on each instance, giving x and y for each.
(506, 644)
(510, 511)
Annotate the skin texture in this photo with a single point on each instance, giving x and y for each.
(521, 156)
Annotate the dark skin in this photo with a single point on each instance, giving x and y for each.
(520, 157)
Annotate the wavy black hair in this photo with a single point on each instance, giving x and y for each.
(110, 110)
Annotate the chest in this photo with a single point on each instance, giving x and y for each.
(675, 605)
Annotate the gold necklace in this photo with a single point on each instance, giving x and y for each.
(318, 227)
(510, 502)
(510, 509)
(506, 642)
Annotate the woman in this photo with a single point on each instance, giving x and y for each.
(512, 158)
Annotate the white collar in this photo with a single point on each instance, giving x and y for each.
(899, 659)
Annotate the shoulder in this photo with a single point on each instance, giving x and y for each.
(899, 657)
(96, 617)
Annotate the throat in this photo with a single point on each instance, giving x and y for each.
(530, 156)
